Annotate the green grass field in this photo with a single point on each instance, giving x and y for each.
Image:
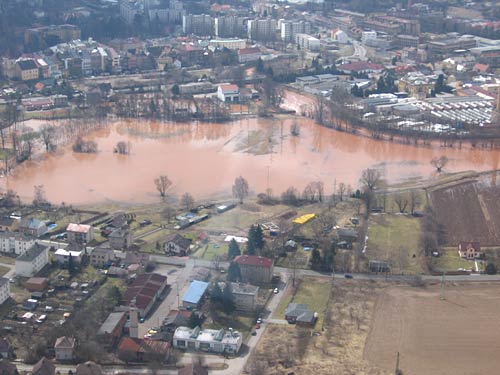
(7, 260)
(395, 238)
(451, 261)
(209, 251)
(312, 292)
(3, 270)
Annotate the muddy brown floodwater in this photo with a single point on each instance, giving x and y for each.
(204, 159)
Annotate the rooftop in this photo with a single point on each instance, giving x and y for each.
(65, 342)
(195, 291)
(240, 288)
(78, 228)
(32, 253)
(111, 322)
(254, 260)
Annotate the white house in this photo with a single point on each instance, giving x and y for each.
(15, 243)
(61, 256)
(207, 340)
(32, 261)
(4, 289)
(64, 348)
(228, 93)
(340, 36)
(249, 54)
(80, 233)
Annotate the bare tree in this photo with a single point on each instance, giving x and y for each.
(39, 195)
(187, 200)
(341, 191)
(290, 196)
(439, 163)
(168, 213)
(320, 108)
(401, 201)
(122, 148)
(86, 147)
(414, 201)
(295, 128)
(48, 134)
(240, 188)
(371, 178)
(162, 183)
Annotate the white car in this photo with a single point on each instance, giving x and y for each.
(276, 291)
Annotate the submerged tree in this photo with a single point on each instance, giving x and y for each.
(240, 188)
(162, 183)
(439, 163)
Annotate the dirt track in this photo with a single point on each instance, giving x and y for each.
(458, 335)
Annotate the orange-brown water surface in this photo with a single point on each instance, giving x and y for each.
(205, 158)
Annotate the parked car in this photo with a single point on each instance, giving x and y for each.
(257, 326)
(348, 276)
(254, 333)
(276, 291)
(259, 320)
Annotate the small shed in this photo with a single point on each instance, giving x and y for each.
(194, 295)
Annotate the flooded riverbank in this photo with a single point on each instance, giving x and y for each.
(205, 158)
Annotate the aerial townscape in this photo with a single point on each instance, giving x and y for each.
(257, 187)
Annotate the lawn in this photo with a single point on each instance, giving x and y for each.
(451, 261)
(241, 323)
(3, 270)
(395, 238)
(300, 259)
(310, 291)
(211, 250)
(7, 260)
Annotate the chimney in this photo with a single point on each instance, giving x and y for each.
(134, 322)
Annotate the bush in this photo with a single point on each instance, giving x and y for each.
(491, 269)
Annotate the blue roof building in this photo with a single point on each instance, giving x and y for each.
(194, 294)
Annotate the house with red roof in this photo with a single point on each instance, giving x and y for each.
(144, 292)
(249, 54)
(80, 233)
(141, 350)
(228, 93)
(255, 269)
(360, 67)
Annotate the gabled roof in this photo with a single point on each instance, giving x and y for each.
(32, 223)
(78, 228)
(32, 253)
(228, 88)
(65, 342)
(254, 260)
(180, 241)
(88, 368)
(129, 344)
(177, 318)
(300, 312)
(248, 51)
(44, 367)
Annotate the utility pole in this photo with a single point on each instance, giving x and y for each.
(397, 365)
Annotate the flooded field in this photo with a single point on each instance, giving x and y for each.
(205, 158)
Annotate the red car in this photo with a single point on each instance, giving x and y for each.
(257, 326)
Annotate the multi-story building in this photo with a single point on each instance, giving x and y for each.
(61, 33)
(15, 242)
(249, 54)
(4, 290)
(445, 45)
(289, 29)
(403, 40)
(102, 256)
(198, 24)
(262, 29)
(307, 42)
(80, 233)
(228, 43)
(32, 261)
(120, 239)
(255, 269)
(129, 9)
(27, 70)
(207, 340)
(244, 296)
(417, 85)
(230, 26)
